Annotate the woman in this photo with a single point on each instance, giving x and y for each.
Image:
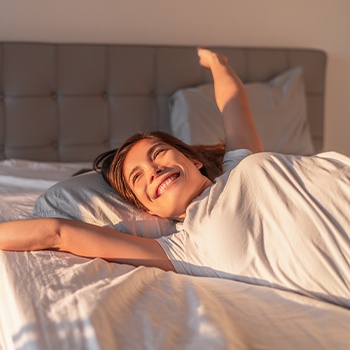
(267, 220)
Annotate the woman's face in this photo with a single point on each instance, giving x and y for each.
(163, 179)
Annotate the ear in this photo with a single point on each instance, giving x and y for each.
(197, 163)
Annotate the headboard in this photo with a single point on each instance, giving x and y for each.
(71, 102)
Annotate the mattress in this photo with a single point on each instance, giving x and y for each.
(54, 300)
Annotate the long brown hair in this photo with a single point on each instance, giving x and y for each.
(110, 164)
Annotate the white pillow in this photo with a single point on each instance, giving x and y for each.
(90, 199)
(278, 108)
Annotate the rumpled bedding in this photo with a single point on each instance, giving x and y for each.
(52, 300)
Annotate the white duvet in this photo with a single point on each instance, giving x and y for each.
(51, 300)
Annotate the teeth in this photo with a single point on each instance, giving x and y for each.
(163, 186)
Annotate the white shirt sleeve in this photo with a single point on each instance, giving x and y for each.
(232, 158)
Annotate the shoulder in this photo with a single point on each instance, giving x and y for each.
(233, 158)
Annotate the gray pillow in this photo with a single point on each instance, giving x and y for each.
(278, 108)
(90, 199)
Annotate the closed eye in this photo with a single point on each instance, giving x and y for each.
(135, 177)
(158, 151)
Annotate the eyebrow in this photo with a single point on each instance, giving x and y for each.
(149, 154)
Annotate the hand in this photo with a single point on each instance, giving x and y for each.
(207, 57)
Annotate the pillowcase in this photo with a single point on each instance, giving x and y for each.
(278, 108)
(90, 199)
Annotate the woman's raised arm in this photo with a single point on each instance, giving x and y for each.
(82, 239)
(232, 100)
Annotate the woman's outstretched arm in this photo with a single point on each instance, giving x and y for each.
(82, 239)
(232, 100)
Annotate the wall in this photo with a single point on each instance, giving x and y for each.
(321, 24)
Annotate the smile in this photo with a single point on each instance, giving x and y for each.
(164, 185)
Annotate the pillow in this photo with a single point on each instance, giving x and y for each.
(90, 199)
(278, 108)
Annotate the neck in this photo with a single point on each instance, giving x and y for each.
(206, 184)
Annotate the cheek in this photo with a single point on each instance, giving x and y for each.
(139, 190)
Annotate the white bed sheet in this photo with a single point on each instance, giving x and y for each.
(52, 300)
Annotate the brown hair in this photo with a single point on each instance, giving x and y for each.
(111, 163)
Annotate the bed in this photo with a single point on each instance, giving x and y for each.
(61, 105)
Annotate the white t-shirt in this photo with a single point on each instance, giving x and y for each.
(271, 219)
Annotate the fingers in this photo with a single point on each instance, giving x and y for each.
(204, 56)
(207, 57)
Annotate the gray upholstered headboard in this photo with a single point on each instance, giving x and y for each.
(70, 102)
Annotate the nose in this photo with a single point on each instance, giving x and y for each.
(154, 172)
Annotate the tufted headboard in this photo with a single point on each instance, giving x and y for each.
(71, 102)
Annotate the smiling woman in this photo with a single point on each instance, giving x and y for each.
(270, 219)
